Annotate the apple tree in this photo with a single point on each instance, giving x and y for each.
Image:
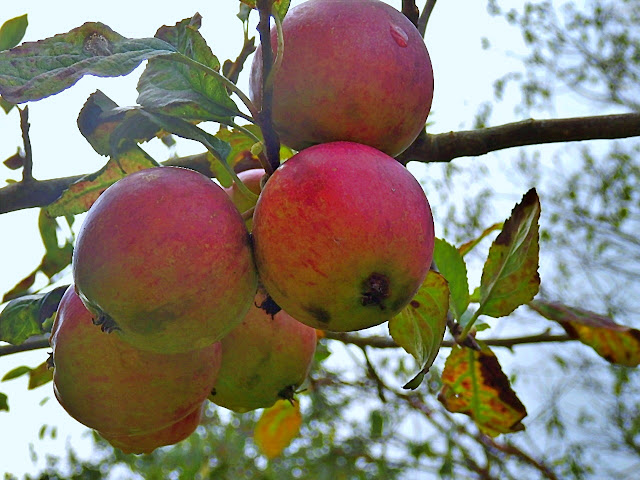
(425, 391)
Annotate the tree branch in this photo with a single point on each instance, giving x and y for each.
(387, 342)
(410, 10)
(42, 341)
(428, 148)
(444, 147)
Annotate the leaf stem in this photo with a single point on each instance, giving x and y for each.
(279, 52)
(27, 169)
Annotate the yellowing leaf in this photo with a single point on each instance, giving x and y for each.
(615, 343)
(474, 384)
(420, 326)
(510, 275)
(82, 194)
(40, 375)
(277, 427)
(470, 245)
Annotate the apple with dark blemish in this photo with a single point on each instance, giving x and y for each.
(343, 236)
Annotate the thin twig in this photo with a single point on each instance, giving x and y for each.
(425, 15)
(410, 10)
(271, 139)
(27, 169)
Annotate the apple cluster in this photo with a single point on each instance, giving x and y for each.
(200, 304)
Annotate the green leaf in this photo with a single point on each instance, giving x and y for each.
(35, 70)
(614, 342)
(4, 402)
(510, 275)
(12, 32)
(281, 6)
(419, 327)
(376, 422)
(16, 372)
(175, 87)
(24, 316)
(453, 268)
(474, 384)
(40, 375)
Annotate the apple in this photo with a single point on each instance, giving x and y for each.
(164, 259)
(354, 70)
(117, 389)
(343, 236)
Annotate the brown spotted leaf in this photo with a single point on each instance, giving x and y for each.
(277, 427)
(474, 384)
(614, 342)
(510, 274)
(419, 327)
(35, 70)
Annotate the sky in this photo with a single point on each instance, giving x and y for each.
(463, 74)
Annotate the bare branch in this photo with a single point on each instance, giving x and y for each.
(444, 147)
(387, 342)
(34, 343)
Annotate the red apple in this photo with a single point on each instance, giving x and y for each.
(343, 236)
(164, 258)
(117, 389)
(355, 70)
(148, 442)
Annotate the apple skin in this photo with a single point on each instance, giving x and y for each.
(164, 258)
(148, 442)
(251, 178)
(343, 236)
(352, 70)
(265, 358)
(117, 389)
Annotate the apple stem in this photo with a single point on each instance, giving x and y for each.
(279, 51)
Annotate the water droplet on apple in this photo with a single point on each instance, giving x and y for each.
(399, 35)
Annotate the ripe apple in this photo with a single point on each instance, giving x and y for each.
(148, 442)
(117, 389)
(265, 358)
(343, 236)
(164, 258)
(355, 70)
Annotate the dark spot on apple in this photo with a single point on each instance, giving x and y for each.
(269, 306)
(375, 289)
(415, 304)
(319, 313)
(287, 393)
(106, 323)
(213, 392)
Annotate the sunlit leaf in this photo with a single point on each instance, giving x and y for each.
(474, 384)
(35, 70)
(510, 275)
(277, 427)
(182, 89)
(453, 268)
(615, 343)
(39, 376)
(419, 327)
(24, 316)
(16, 373)
(12, 32)
(281, 6)
(82, 194)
